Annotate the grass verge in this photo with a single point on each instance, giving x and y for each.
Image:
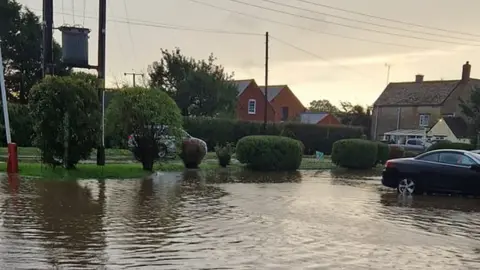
(92, 171)
(133, 170)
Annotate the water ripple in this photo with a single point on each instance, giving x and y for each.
(310, 220)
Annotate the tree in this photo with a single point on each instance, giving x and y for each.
(356, 115)
(471, 109)
(21, 42)
(199, 87)
(323, 105)
(67, 116)
(140, 111)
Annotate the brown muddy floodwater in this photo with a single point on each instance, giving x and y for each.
(306, 220)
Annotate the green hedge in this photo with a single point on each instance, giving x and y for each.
(269, 153)
(21, 125)
(395, 151)
(314, 137)
(355, 153)
(382, 152)
(451, 145)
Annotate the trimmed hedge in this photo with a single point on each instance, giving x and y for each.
(355, 153)
(395, 152)
(382, 152)
(269, 153)
(451, 145)
(314, 137)
(21, 125)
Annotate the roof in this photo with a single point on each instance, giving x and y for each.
(423, 93)
(273, 91)
(406, 132)
(242, 85)
(457, 125)
(312, 118)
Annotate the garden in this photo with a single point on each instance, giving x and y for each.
(58, 131)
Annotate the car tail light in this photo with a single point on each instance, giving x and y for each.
(389, 164)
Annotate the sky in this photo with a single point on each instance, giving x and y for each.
(320, 52)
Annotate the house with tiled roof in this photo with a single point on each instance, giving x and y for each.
(452, 128)
(282, 104)
(412, 108)
(319, 118)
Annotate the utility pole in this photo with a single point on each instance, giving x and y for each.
(102, 25)
(134, 75)
(388, 72)
(47, 37)
(266, 84)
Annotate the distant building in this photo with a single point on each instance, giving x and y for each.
(319, 118)
(409, 109)
(282, 104)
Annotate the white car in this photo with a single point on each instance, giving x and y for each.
(166, 141)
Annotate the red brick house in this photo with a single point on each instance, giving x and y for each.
(320, 118)
(251, 102)
(286, 105)
(282, 105)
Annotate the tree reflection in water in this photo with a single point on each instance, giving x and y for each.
(61, 217)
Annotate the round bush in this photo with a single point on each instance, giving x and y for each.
(192, 153)
(382, 152)
(66, 114)
(451, 145)
(354, 153)
(395, 152)
(269, 153)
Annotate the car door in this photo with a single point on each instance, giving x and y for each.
(428, 169)
(455, 175)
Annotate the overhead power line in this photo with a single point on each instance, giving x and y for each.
(389, 20)
(349, 26)
(368, 23)
(170, 26)
(316, 55)
(306, 28)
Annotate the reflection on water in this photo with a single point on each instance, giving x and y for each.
(230, 220)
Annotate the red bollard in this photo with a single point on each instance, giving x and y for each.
(12, 162)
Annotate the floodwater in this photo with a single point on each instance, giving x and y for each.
(305, 220)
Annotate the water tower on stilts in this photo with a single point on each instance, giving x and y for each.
(75, 55)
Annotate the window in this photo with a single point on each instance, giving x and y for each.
(284, 113)
(456, 159)
(424, 119)
(431, 157)
(252, 106)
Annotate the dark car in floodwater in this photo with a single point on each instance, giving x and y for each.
(440, 171)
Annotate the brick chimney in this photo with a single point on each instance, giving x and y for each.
(418, 78)
(466, 72)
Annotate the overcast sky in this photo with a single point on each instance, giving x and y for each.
(326, 61)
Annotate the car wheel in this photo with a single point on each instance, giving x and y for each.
(162, 151)
(407, 186)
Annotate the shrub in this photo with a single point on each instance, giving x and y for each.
(314, 137)
(409, 154)
(21, 125)
(269, 153)
(354, 153)
(192, 153)
(141, 112)
(67, 119)
(451, 145)
(224, 154)
(395, 152)
(382, 152)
